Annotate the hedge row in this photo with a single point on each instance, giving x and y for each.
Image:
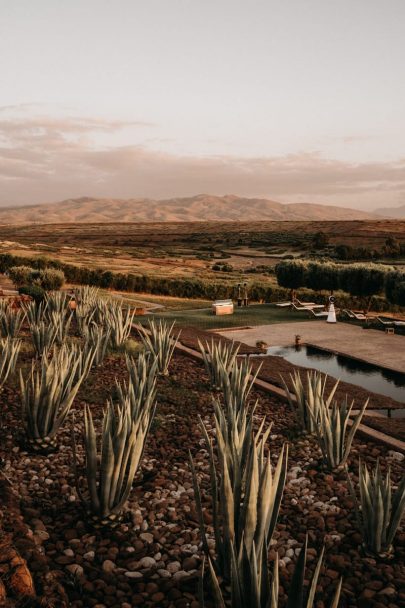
(359, 280)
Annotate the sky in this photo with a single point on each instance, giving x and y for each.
(293, 100)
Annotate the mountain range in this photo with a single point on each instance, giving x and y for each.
(394, 212)
(203, 207)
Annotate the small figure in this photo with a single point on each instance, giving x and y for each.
(245, 295)
(239, 295)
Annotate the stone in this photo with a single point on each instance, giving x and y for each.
(137, 575)
(173, 567)
(147, 562)
(108, 566)
(75, 569)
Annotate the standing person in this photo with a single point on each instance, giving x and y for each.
(239, 296)
(245, 295)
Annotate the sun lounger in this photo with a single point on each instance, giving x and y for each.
(391, 322)
(283, 304)
(355, 315)
(321, 313)
(314, 306)
(304, 303)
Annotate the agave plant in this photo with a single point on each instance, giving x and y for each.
(84, 317)
(60, 321)
(119, 323)
(86, 295)
(9, 350)
(35, 313)
(47, 396)
(57, 301)
(217, 357)
(141, 388)
(307, 401)
(83, 356)
(159, 340)
(331, 431)
(97, 338)
(110, 471)
(379, 510)
(237, 384)
(43, 337)
(251, 584)
(11, 322)
(245, 494)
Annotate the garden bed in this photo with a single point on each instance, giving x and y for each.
(153, 559)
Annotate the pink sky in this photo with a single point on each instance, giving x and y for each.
(295, 101)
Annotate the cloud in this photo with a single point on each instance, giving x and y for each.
(46, 159)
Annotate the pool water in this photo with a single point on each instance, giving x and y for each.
(371, 377)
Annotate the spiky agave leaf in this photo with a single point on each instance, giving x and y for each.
(57, 301)
(218, 356)
(9, 350)
(110, 471)
(307, 400)
(141, 387)
(11, 322)
(246, 492)
(237, 384)
(35, 313)
(118, 322)
(331, 431)
(159, 340)
(379, 510)
(96, 339)
(43, 337)
(47, 396)
(60, 321)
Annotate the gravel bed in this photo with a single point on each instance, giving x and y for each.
(153, 558)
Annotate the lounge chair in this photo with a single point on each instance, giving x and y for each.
(355, 315)
(283, 304)
(391, 322)
(321, 313)
(385, 323)
(314, 306)
(297, 301)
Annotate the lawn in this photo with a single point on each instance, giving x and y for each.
(257, 314)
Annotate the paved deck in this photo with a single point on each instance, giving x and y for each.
(369, 345)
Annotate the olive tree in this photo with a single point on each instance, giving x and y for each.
(291, 274)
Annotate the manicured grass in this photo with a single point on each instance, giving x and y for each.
(257, 314)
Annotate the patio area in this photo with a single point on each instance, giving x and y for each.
(369, 345)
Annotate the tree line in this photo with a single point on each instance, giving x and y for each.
(361, 280)
(142, 283)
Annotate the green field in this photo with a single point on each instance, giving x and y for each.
(258, 314)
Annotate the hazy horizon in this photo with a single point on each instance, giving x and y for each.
(295, 102)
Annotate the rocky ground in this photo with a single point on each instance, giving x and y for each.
(153, 559)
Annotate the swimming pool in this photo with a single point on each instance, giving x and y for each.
(371, 377)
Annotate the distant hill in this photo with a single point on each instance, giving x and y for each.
(397, 212)
(203, 207)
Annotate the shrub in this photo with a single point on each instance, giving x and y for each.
(291, 274)
(51, 279)
(34, 291)
(22, 275)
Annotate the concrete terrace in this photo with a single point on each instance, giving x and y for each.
(368, 345)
